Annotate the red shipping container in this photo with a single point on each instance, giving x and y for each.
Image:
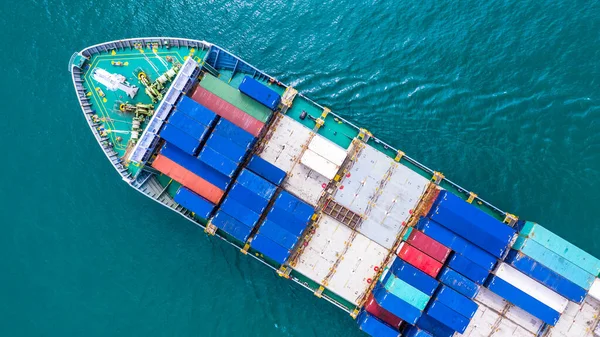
(419, 260)
(428, 246)
(187, 178)
(373, 308)
(227, 111)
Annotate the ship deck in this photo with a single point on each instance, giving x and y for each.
(112, 128)
(118, 124)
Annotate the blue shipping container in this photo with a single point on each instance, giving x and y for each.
(256, 184)
(456, 243)
(194, 202)
(228, 130)
(182, 140)
(239, 212)
(266, 170)
(196, 166)
(523, 300)
(188, 125)
(231, 226)
(291, 204)
(197, 111)
(434, 327)
(413, 331)
(459, 283)
(468, 269)
(472, 223)
(248, 198)
(278, 234)
(413, 276)
(226, 147)
(546, 276)
(217, 161)
(270, 249)
(286, 220)
(456, 301)
(447, 316)
(395, 305)
(374, 327)
(260, 92)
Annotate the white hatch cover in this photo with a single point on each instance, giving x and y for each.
(323, 249)
(489, 321)
(285, 143)
(357, 269)
(305, 183)
(392, 208)
(364, 175)
(531, 287)
(327, 149)
(578, 320)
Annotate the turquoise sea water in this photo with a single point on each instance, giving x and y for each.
(502, 96)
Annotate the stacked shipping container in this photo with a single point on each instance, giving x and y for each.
(282, 227)
(231, 104)
(241, 210)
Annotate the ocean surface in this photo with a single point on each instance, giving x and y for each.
(501, 96)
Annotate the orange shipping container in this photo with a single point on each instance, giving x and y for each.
(187, 178)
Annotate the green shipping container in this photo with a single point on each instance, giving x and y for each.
(555, 262)
(235, 98)
(561, 247)
(406, 292)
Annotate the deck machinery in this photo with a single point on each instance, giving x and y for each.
(323, 202)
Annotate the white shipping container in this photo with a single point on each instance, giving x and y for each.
(357, 269)
(319, 164)
(327, 149)
(323, 249)
(595, 289)
(285, 143)
(531, 287)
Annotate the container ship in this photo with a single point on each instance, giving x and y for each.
(323, 202)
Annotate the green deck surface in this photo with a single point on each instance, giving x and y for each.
(235, 97)
(115, 123)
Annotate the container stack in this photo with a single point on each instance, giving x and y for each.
(404, 290)
(226, 148)
(191, 173)
(558, 255)
(231, 104)
(240, 211)
(543, 273)
(282, 227)
(440, 267)
(188, 125)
